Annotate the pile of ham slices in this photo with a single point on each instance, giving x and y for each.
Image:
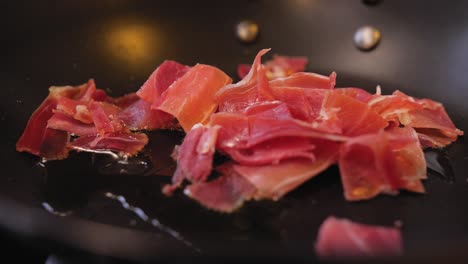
(278, 127)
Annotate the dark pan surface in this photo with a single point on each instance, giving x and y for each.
(119, 43)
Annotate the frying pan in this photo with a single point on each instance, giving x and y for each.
(423, 52)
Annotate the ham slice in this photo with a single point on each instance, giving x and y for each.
(125, 143)
(252, 88)
(191, 98)
(306, 80)
(356, 93)
(275, 181)
(137, 114)
(273, 151)
(279, 66)
(429, 118)
(158, 82)
(341, 239)
(225, 194)
(40, 140)
(194, 157)
(77, 105)
(243, 131)
(353, 116)
(63, 122)
(382, 163)
(105, 118)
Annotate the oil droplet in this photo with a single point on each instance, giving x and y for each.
(152, 221)
(137, 165)
(438, 164)
(51, 210)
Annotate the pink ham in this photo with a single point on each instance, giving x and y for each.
(242, 131)
(191, 98)
(353, 116)
(158, 82)
(356, 93)
(252, 88)
(40, 140)
(194, 157)
(306, 80)
(273, 151)
(342, 239)
(274, 181)
(382, 163)
(279, 66)
(429, 118)
(64, 122)
(124, 143)
(224, 194)
(137, 114)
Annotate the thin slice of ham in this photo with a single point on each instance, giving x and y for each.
(105, 117)
(356, 93)
(225, 194)
(353, 116)
(194, 157)
(124, 143)
(273, 151)
(158, 82)
(251, 89)
(77, 106)
(64, 122)
(343, 239)
(429, 118)
(382, 163)
(245, 130)
(40, 140)
(304, 104)
(191, 98)
(137, 114)
(433, 124)
(306, 80)
(279, 66)
(275, 181)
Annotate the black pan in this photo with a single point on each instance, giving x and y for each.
(423, 52)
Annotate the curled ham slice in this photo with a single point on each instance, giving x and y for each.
(251, 89)
(306, 80)
(340, 238)
(279, 66)
(194, 157)
(429, 118)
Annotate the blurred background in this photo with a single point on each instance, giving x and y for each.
(420, 48)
